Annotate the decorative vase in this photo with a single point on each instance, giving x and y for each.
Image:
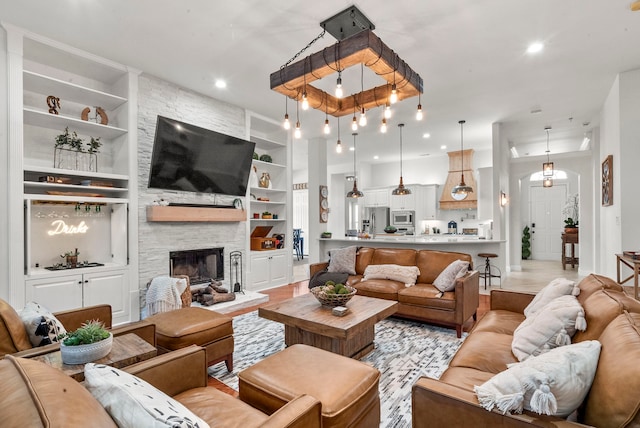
(570, 230)
(265, 180)
(82, 354)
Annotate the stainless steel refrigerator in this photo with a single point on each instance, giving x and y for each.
(378, 218)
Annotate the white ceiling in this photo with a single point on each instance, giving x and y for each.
(471, 56)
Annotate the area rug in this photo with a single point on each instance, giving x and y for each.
(404, 351)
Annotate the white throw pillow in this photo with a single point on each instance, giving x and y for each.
(556, 288)
(134, 403)
(41, 325)
(552, 326)
(343, 260)
(406, 274)
(446, 281)
(555, 383)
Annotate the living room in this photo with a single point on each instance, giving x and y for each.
(600, 90)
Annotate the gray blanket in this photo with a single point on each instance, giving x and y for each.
(319, 278)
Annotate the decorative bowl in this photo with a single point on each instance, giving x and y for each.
(82, 354)
(330, 299)
(390, 229)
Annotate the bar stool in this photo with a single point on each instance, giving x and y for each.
(488, 269)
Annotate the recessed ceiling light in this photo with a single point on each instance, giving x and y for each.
(221, 84)
(535, 47)
(426, 135)
(443, 147)
(376, 157)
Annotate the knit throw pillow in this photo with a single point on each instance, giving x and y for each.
(405, 274)
(446, 281)
(343, 260)
(555, 383)
(556, 288)
(552, 326)
(41, 325)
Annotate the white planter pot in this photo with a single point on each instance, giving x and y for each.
(82, 354)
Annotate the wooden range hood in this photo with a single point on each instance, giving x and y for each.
(453, 179)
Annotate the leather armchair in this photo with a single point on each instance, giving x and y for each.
(15, 340)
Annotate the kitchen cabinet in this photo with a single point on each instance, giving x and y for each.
(63, 292)
(268, 269)
(404, 202)
(376, 197)
(62, 199)
(429, 202)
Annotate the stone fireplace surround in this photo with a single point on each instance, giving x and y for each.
(157, 239)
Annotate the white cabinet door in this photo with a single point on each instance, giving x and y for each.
(278, 269)
(430, 198)
(376, 197)
(56, 294)
(259, 271)
(109, 288)
(404, 202)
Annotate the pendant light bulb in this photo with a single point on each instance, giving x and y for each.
(363, 118)
(339, 92)
(393, 98)
(387, 111)
(354, 123)
(383, 125)
(339, 147)
(326, 128)
(286, 124)
(419, 114)
(355, 193)
(401, 190)
(305, 101)
(297, 133)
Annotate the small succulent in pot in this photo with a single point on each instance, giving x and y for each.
(390, 229)
(90, 332)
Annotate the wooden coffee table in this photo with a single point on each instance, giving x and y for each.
(126, 350)
(306, 321)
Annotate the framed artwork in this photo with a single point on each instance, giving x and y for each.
(607, 181)
(324, 204)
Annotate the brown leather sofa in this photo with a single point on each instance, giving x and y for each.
(41, 396)
(15, 340)
(420, 302)
(613, 318)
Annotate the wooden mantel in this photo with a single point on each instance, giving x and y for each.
(202, 214)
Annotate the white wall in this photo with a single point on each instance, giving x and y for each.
(158, 97)
(620, 136)
(4, 168)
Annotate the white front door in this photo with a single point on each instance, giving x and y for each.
(546, 221)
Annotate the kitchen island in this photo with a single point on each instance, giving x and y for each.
(460, 243)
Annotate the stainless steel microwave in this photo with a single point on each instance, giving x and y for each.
(403, 218)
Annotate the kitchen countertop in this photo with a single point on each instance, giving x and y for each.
(418, 239)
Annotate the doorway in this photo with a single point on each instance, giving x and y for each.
(546, 220)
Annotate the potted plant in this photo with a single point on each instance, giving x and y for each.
(526, 243)
(571, 211)
(90, 342)
(66, 149)
(267, 215)
(71, 257)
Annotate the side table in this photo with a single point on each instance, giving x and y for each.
(634, 265)
(569, 239)
(127, 349)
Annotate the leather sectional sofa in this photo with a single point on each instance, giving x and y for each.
(422, 301)
(613, 318)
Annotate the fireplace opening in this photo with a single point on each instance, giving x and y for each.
(201, 266)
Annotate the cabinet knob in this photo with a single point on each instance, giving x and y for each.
(80, 282)
(86, 280)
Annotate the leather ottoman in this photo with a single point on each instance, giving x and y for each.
(195, 326)
(347, 388)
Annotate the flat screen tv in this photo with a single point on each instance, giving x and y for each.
(193, 159)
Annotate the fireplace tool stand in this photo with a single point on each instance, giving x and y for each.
(235, 271)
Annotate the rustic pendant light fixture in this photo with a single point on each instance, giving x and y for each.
(461, 191)
(339, 143)
(401, 190)
(547, 167)
(286, 124)
(356, 45)
(297, 133)
(355, 193)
